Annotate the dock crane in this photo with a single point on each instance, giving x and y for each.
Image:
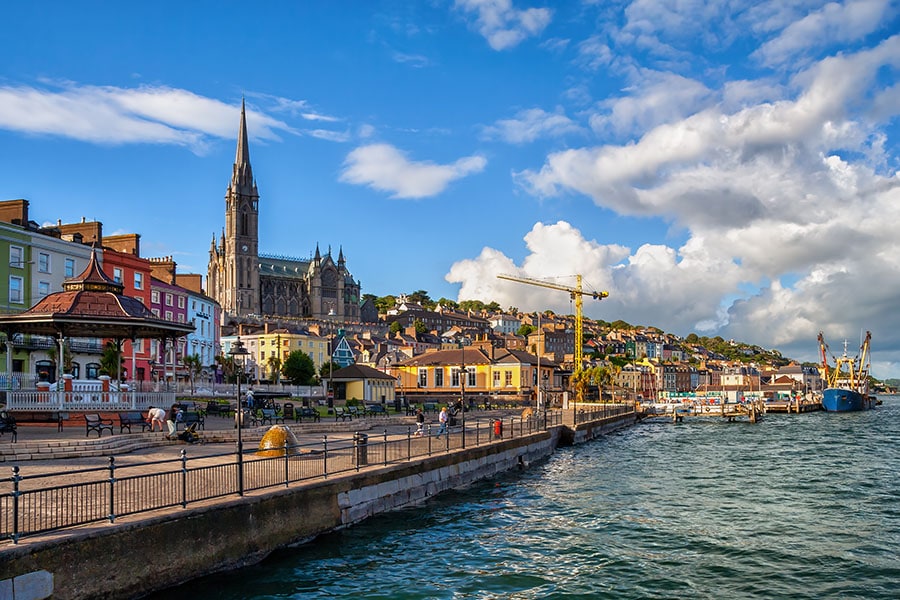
(577, 294)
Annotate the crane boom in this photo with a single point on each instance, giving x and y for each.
(577, 294)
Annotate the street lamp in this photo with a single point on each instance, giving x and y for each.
(238, 352)
(463, 374)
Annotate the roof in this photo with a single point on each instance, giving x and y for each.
(356, 371)
(92, 305)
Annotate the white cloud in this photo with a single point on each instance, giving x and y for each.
(834, 22)
(502, 25)
(531, 124)
(114, 115)
(656, 98)
(384, 168)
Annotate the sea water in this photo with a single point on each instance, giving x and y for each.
(795, 506)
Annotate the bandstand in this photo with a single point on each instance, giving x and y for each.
(91, 305)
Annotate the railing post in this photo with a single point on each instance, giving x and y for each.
(183, 478)
(15, 501)
(408, 443)
(324, 456)
(286, 471)
(385, 447)
(429, 438)
(112, 488)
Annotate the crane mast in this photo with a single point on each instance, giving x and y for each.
(575, 293)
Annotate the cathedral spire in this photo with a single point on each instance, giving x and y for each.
(242, 177)
(341, 255)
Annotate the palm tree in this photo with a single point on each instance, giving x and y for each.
(194, 366)
(274, 363)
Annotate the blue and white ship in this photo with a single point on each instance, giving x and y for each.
(847, 383)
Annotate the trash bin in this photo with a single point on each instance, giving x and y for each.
(498, 428)
(360, 442)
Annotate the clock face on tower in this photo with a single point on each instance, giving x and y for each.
(244, 247)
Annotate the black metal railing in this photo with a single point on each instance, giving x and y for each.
(32, 504)
(599, 412)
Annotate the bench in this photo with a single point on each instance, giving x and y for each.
(355, 412)
(127, 419)
(95, 422)
(376, 410)
(308, 413)
(191, 417)
(342, 413)
(40, 416)
(429, 407)
(8, 425)
(265, 416)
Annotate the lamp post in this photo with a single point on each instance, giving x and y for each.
(463, 374)
(238, 352)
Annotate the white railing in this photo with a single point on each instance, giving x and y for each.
(88, 400)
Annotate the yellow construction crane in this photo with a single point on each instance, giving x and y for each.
(577, 294)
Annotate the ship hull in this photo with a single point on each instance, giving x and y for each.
(844, 400)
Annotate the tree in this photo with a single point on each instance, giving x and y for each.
(448, 303)
(327, 369)
(67, 355)
(395, 327)
(385, 303)
(111, 361)
(275, 368)
(194, 366)
(299, 368)
(422, 298)
(525, 330)
(420, 326)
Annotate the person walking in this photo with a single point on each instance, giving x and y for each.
(420, 422)
(443, 418)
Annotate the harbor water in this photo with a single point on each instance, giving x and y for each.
(796, 506)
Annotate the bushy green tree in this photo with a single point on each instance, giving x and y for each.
(299, 368)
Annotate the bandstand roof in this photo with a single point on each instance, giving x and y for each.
(92, 305)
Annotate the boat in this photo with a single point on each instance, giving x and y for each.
(847, 382)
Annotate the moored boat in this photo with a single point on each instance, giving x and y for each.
(847, 383)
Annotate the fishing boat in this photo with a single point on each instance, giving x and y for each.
(847, 382)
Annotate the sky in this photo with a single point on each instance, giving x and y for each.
(722, 168)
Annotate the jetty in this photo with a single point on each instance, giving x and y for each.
(730, 411)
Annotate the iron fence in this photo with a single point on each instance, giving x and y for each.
(598, 412)
(33, 504)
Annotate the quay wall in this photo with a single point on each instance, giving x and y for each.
(129, 559)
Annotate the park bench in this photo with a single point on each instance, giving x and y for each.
(40, 416)
(265, 416)
(94, 422)
(191, 417)
(342, 413)
(8, 425)
(127, 419)
(429, 407)
(308, 413)
(355, 412)
(375, 410)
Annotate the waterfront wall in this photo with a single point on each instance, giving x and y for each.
(104, 561)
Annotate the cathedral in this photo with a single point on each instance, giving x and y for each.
(247, 282)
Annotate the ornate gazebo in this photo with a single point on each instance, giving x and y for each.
(91, 305)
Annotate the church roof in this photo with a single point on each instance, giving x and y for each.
(283, 266)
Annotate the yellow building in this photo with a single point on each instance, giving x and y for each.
(263, 347)
(494, 375)
(360, 382)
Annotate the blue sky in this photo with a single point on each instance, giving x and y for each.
(723, 168)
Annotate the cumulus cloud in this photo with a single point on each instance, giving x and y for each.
(502, 25)
(781, 195)
(531, 124)
(116, 115)
(384, 168)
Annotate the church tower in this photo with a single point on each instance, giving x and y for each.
(234, 270)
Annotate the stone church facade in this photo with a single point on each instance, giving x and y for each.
(246, 282)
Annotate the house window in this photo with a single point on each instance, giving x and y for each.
(508, 378)
(180, 301)
(439, 378)
(138, 281)
(423, 377)
(180, 318)
(70, 267)
(15, 290)
(496, 378)
(154, 297)
(168, 299)
(43, 288)
(155, 312)
(117, 275)
(470, 376)
(454, 377)
(15, 257)
(44, 262)
(168, 315)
